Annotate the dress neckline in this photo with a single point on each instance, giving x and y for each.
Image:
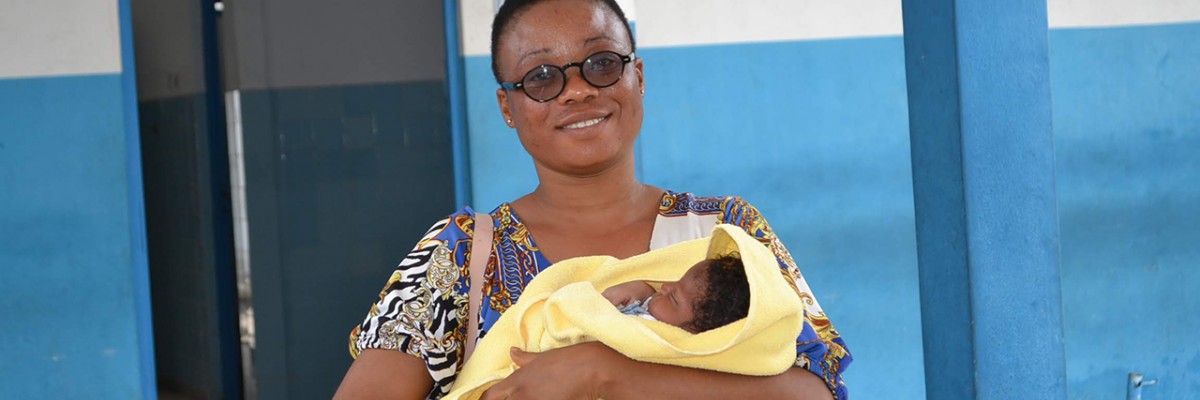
(506, 207)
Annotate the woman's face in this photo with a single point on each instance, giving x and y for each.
(585, 130)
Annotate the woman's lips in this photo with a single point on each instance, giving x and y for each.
(585, 124)
(583, 120)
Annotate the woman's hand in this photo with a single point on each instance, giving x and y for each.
(627, 292)
(572, 372)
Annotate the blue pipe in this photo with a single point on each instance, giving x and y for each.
(137, 207)
(459, 143)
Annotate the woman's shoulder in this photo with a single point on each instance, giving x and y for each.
(459, 225)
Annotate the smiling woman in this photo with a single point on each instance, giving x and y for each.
(585, 128)
(578, 114)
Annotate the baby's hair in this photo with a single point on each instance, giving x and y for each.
(727, 294)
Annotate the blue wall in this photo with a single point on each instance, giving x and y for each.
(815, 134)
(68, 241)
(1127, 127)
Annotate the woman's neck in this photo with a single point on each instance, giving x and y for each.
(601, 201)
(616, 189)
(606, 213)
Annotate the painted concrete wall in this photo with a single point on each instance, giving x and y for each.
(187, 247)
(800, 107)
(345, 140)
(72, 242)
(1127, 126)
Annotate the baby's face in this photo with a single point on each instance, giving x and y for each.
(673, 302)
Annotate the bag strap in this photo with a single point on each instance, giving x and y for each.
(481, 251)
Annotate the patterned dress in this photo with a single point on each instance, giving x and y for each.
(421, 310)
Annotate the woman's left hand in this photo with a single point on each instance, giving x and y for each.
(572, 372)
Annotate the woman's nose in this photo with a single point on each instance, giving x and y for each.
(576, 88)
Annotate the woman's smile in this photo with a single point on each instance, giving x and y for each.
(585, 124)
(576, 123)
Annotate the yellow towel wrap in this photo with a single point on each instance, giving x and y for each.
(563, 305)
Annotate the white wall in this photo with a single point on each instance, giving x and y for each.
(58, 37)
(475, 23)
(683, 23)
(664, 23)
(1101, 13)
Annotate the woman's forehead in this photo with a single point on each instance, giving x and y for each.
(562, 28)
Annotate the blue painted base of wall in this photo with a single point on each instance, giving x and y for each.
(1127, 124)
(70, 328)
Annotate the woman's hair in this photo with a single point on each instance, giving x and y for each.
(511, 9)
(727, 294)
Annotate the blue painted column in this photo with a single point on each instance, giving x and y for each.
(983, 185)
(137, 207)
(456, 91)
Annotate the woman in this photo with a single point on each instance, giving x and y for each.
(572, 87)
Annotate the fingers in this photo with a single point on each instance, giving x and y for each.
(500, 391)
(493, 394)
(520, 357)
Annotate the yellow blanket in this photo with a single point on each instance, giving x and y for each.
(563, 305)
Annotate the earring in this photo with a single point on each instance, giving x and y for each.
(509, 121)
(643, 91)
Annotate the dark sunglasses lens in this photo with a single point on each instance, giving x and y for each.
(603, 69)
(543, 83)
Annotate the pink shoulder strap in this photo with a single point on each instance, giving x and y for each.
(481, 251)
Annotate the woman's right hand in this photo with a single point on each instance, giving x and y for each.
(385, 374)
(627, 292)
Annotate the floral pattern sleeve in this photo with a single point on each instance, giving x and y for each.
(420, 309)
(819, 348)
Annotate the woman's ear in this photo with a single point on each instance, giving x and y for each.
(505, 112)
(638, 66)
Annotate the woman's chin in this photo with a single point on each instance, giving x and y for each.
(587, 164)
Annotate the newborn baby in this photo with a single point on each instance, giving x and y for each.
(712, 293)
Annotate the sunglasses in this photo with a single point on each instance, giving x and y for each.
(545, 82)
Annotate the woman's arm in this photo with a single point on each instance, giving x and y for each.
(592, 370)
(409, 341)
(385, 374)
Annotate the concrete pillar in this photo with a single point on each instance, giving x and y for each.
(983, 183)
